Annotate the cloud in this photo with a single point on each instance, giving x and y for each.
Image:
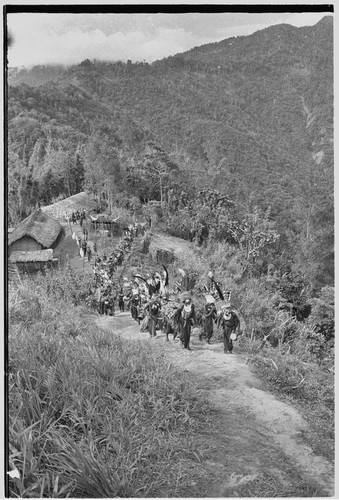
(71, 38)
(49, 47)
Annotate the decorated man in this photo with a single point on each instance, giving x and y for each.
(230, 324)
(209, 315)
(185, 318)
(153, 308)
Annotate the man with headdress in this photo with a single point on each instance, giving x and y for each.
(209, 315)
(185, 318)
(230, 323)
(153, 308)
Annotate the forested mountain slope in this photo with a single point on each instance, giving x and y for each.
(250, 116)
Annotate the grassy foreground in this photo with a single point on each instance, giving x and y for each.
(90, 414)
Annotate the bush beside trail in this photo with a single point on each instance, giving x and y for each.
(89, 414)
(295, 373)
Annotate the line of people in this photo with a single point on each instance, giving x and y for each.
(176, 314)
(104, 292)
(154, 305)
(79, 216)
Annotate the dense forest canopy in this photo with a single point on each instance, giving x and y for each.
(249, 118)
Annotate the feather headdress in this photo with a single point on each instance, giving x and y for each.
(216, 285)
(165, 276)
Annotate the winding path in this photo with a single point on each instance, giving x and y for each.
(257, 438)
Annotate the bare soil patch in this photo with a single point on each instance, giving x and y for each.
(172, 244)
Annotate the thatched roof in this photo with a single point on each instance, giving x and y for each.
(103, 218)
(33, 256)
(78, 201)
(39, 226)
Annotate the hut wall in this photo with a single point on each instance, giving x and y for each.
(26, 244)
(35, 267)
(59, 239)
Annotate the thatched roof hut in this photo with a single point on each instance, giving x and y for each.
(30, 262)
(79, 201)
(37, 232)
(104, 222)
(35, 256)
(103, 218)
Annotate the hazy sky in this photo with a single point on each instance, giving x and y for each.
(63, 38)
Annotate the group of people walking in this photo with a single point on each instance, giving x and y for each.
(105, 290)
(176, 314)
(156, 306)
(78, 217)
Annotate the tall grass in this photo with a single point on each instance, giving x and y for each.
(90, 414)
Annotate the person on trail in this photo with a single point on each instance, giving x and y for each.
(84, 247)
(95, 248)
(230, 323)
(185, 318)
(209, 315)
(74, 219)
(153, 308)
(89, 254)
(121, 301)
(110, 303)
(103, 297)
(127, 302)
(135, 304)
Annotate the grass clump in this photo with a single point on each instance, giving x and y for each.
(90, 414)
(300, 371)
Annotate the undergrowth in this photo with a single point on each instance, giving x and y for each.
(294, 372)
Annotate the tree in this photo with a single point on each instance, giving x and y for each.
(313, 211)
(254, 233)
(102, 162)
(323, 312)
(15, 167)
(78, 173)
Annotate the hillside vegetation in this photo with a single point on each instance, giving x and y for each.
(228, 144)
(250, 116)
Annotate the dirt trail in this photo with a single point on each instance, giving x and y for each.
(258, 440)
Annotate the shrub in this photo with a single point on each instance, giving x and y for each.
(145, 242)
(65, 284)
(322, 315)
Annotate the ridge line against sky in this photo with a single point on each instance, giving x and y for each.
(63, 38)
